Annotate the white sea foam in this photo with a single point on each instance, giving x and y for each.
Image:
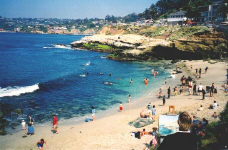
(87, 64)
(82, 75)
(16, 90)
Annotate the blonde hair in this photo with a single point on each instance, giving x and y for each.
(184, 121)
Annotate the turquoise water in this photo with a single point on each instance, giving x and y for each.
(42, 79)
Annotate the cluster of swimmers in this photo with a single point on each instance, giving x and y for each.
(154, 73)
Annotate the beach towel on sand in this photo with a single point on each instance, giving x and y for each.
(141, 122)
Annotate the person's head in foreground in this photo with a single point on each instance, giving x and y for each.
(184, 121)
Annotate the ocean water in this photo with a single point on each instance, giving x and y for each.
(42, 79)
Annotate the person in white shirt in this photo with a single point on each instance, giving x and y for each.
(215, 105)
(201, 108)
(200, 88)
(23, 125)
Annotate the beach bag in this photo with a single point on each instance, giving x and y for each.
(86, 120)
(215, 90)
(137, 135)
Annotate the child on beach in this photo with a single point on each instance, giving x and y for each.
(121, 107)
(201, 108)
(23, 125)
(93, 113)
(40, 144)
(175, 91)
(215, 115)
(129, 98)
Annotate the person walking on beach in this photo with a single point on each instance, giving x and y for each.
(194, 89)
(169, 92)
(212, 90)
(182, 140)
(121, 107)
(164, 100)
(203, 93)
(40, 144)
(93, 112)
(55, 124)
(200, 87)
(200, 71)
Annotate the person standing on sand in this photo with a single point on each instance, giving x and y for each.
(31, 120)
(40, 144)
(203, 93)
(129, 98)
(194, 89)
(164, 100)
(212, 90)
(93, 113)
(23, 125)
(175, 91)
(149, 111)
(153, 112)
(200, 87)
(169, 92)
(200, 71)
(121, 107)
(182, 140)
(55, 124)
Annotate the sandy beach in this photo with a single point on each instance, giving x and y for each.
(112, 132)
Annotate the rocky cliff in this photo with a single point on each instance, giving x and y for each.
(148, 42)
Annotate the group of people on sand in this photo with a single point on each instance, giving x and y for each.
(151, 112)
(31, 130)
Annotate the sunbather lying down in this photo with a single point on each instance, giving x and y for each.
(143, 114)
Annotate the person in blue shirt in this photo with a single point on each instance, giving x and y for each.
(30, 129)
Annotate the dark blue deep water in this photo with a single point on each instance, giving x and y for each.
(41, 79)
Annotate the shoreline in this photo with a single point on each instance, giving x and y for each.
(106, 132)
(112, 110)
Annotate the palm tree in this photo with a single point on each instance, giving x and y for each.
(223, 10)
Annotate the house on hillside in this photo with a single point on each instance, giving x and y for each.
(208, 14)
(178, 17)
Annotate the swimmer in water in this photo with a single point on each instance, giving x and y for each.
(131, 81)
(101, 73)
(152, 71)
(146, 81)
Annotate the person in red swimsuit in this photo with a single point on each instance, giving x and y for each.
(55, 123)
(121, 107)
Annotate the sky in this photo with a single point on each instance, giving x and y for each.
(71, 9)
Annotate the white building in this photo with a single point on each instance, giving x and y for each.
(178, 16)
